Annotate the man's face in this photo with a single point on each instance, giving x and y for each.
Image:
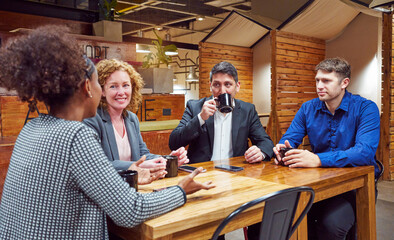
(329, 87)
(224, 83)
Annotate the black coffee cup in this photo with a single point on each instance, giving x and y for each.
(224, 103)
(282, 152)
(131, 177)
(172, 166)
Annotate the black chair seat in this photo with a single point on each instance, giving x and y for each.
(279, 212)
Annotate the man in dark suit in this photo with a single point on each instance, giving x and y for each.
(212, 135)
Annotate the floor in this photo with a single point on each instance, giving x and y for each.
(384, 214)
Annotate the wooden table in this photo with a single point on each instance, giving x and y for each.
(203, 212)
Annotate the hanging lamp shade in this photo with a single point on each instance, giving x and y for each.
(191, 76)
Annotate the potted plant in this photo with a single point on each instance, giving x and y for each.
(159, 79)
(108, 10)
(159, 56)
(107, 27)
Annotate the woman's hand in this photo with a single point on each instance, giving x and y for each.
(145, 175)
(190, 186)
(181, 153)
(154, 163)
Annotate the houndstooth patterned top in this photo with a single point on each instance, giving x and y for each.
(60, 185)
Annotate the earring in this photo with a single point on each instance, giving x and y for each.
(90, 95)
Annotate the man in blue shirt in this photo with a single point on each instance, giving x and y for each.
(343, 131)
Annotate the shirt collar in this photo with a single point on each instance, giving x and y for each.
(344, 103)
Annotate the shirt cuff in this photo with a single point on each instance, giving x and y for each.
(202, 122)
(325, 159)
(183, 191)
(264, 155)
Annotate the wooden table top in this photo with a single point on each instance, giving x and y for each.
(204, 207)
(269, 171)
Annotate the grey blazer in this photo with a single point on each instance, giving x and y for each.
(102, 124)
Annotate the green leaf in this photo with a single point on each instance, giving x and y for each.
(113, 3)
(107, 6)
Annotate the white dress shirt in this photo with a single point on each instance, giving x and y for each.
(222, 142)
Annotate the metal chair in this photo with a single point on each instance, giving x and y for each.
(279, 213)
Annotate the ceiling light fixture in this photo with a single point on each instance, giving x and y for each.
(140, 33)
(142, 48)
(170, 53)
(191, 77)
(168, 37)
(159, 28)
(200, 18)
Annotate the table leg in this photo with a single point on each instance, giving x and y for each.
(366, 212)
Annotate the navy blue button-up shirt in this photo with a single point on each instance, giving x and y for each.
(350, 137)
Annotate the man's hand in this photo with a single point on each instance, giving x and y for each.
(181, 153)
(254, 155)
(208, 109)
(277, 149)
(146, 176)
(154, 163)
(190, 186)
(301, 158)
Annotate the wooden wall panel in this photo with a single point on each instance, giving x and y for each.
(293, 61)
(12, 20)
(240, 57)
(154, 107)
(13, 114)
(385, 151)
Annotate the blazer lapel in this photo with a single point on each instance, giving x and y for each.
(210, 123)
(110, 135)
(132, 135)
(236, 119)
(211, 131)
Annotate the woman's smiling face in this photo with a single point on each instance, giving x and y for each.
(117, 90)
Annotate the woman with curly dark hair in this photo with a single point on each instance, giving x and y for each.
(117, 127)
(60, 184)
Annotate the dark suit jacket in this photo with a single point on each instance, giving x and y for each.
(245, 124)
(102, 124)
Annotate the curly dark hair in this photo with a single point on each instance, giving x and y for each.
(108, 66)
(44, 65)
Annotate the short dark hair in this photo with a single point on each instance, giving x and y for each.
(45, 65)
(224, 67)
(338, 65)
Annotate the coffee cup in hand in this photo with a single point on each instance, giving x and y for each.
(282, 153)
(224, 103)
(172, 166)
(131, 177)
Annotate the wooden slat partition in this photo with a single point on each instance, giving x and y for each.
(240, 57)
(386, 146)
(293, 61)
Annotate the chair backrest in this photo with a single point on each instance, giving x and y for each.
(381, 168)
(279, 211)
